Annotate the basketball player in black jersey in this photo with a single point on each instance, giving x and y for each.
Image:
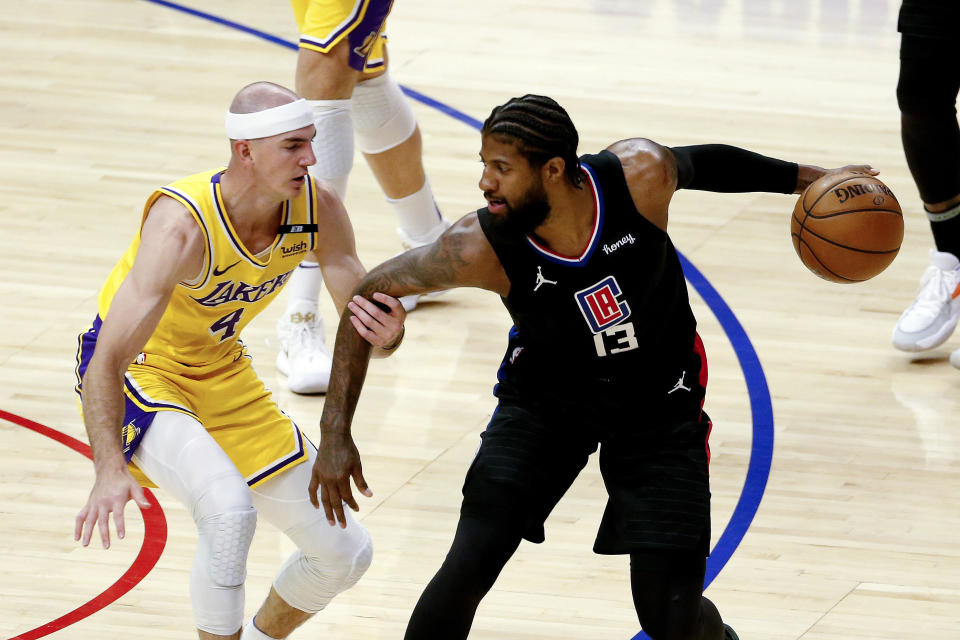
(603, 353)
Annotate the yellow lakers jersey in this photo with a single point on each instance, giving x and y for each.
(203, 320)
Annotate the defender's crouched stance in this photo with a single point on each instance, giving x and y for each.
(189, 414)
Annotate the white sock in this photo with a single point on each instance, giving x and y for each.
(251, 632)
(333, 144)
(304, 286)
(418, 215)
(942, 216)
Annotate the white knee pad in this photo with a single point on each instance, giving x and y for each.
(225, 541)
(382, 115)
(226, 522)
(181, 457)
(219, 570)
(333, 144)
(309, 580)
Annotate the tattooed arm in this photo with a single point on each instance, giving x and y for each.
(461, 257)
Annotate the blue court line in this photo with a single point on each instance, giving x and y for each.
(269, 37)
(227, 23)
(761, 408)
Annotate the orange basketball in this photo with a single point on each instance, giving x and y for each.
(847, 227)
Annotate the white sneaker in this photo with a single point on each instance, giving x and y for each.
(932, 317)
(303, 357)
(409, 242)
(955, 358)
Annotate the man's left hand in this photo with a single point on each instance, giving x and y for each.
(380, 328)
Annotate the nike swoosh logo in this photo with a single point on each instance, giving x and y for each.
(218, 272)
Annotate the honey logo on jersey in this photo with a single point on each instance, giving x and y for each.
(622, 242)
(601, 306)
(230, 291)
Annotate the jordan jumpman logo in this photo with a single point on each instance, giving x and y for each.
(679, 385)
(541, 280)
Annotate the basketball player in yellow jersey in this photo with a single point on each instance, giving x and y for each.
(189, 414)
(342, 72)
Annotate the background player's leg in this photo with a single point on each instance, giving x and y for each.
(327, 81)
(668, 595)
(448, 605)
(927, 93)
(388, 135)
(180, 456)
(328, 561)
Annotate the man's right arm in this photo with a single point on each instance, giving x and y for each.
(171, 250)
(653, 172)
(461, 257)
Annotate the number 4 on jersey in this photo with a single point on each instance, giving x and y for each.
(227, 324)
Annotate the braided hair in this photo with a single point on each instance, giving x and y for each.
(540, 128)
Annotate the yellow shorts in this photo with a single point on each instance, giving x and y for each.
(324, 23)
(227, 398)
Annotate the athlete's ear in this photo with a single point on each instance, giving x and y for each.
(553, 169)
(241, 150)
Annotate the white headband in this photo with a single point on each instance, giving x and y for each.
(269, 122)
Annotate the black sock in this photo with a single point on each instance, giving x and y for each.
(946, 230)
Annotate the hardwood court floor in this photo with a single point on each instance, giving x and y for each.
(855, 537)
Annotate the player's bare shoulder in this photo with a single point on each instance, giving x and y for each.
(466, 257)
(337, 236)
(646, 162)
(464, 242)
(170, 231)
(328, 202)
(461, 257)
(171, 216)
(650, 170)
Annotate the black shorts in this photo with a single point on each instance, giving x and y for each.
(654, 465)
(938, 19)
(939, 53)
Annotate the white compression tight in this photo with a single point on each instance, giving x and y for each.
(181, 457)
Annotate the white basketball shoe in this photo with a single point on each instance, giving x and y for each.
(303, 357)
(932, 317)
(409, 242)
(955, 358)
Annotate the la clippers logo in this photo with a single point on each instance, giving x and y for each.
(600, 306)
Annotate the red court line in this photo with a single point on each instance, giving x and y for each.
(154, 539)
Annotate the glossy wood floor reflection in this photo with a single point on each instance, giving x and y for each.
(856, 536)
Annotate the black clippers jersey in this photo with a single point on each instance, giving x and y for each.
(615, 320)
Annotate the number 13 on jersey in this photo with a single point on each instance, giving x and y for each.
(606, 314)
(622, 338)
